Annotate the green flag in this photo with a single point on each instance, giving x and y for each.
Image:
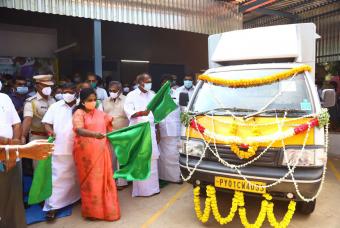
(41, 188)
(162, 104)
(133, 148)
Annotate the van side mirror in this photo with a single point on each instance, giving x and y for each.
(328, 98)
(183, 99)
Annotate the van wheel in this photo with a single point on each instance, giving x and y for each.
(306, 208)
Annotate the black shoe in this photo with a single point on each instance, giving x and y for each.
(51, 215)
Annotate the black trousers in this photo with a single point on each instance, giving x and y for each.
(12, 212)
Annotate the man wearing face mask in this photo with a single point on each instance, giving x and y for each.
(19, 95)
(58, 93)
(188, 87)
(58, 123)
(77, 78)
(35, 109)
(101, 93)
(126, 89)
(135, 108)
(114, 106)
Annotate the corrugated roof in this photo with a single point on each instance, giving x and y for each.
(200, 16)
(300, 8)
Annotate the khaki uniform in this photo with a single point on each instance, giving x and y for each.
(36, 107)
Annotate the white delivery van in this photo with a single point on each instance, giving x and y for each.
(262, 107)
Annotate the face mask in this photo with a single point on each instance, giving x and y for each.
(47, 91)
(90, 105)
(113, 95)
(173, 83)
(22, 90)
(187, 84)
(77, 80)
(93, 85)
(68, 97)
(58, 96)
(126, 89)
(147, 86)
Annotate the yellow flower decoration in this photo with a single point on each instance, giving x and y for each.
(255, 81)
(238, 205)
(241, 154)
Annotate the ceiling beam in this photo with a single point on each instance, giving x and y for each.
(292, 17)
(253, 5)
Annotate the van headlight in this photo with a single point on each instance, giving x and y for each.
(309, 157)
(192, 148)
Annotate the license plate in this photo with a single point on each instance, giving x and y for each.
(239, 185)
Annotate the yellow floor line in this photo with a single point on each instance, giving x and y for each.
(173, 199)
(334, 170)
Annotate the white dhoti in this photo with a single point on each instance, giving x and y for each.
(169, 159)
(65, 189)
(137, 101)
(151, 185)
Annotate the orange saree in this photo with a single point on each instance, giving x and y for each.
(94, 166)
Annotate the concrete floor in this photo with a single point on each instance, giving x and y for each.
(173, 207)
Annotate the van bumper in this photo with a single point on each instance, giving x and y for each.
(308, 179)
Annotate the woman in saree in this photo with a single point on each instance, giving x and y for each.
(92, 157)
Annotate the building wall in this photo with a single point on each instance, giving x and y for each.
(119, 41)
(18, 40)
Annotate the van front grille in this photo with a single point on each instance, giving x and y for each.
(270, 158)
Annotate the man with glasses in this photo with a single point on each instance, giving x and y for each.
(114, 106)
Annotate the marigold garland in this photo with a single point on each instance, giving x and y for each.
(251, 149)
(267, 208)
(255, 81)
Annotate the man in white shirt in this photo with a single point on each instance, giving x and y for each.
(58, 123)
(187, 87)
(135, 109)
(101, 93)
(12, 213)
(114, 106)
(169, 169)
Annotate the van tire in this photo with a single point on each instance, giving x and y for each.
(306, 208)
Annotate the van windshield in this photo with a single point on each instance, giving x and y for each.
(290, 94)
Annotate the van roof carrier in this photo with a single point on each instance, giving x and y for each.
(272, 44)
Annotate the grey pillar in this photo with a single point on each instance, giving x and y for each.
(97, 47)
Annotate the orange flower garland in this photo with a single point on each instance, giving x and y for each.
(241, 154)
(239, 83)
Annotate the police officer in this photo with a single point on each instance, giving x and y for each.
(35, 109)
